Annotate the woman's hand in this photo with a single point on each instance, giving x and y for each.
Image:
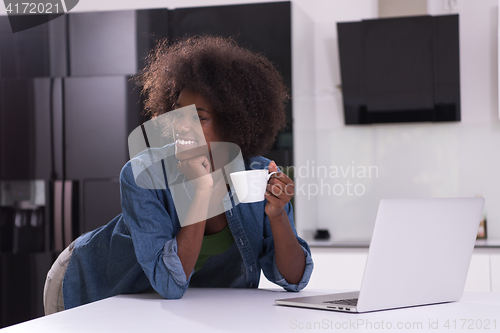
(289, 255)
(197, 171)
(280, 189)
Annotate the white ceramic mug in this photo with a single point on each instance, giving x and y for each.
(250, 185)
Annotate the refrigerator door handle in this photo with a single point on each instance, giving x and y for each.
(68, 212)
(58, 216)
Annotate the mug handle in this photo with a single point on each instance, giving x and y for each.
(269, 175)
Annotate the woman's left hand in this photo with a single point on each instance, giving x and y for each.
(280, 189)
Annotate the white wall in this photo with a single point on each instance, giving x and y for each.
(413, 160)
(418, 160)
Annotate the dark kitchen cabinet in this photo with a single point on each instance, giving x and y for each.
(101, 203)
(152, 25)
(113, 43)
(36, 52)
(26, 114)
(17, 128)
(22, 278)
(96, 114)
(264, 28)
(102, 43)
(100, 112)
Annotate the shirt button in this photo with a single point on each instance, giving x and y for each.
(251, 284)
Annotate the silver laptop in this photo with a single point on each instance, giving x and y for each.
(419, 254)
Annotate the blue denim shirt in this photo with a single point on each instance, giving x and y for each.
(137, 250)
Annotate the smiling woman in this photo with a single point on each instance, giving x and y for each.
(193, 130)
(238, 98)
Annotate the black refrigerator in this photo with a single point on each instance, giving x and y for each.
(67, 105)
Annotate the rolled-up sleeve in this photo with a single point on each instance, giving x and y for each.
(173, 263)
(268, 259)
(150, 220)
(281, 281)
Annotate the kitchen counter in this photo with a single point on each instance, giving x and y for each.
(254, 310)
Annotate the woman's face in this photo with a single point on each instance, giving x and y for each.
(193, 131)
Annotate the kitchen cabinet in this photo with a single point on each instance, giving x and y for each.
(100, 112)
(101, 203)
(102, 43)
(17, 123)
(343, 268)
(22, 277)
(30, 115)
(97, 110)
(36, 52)
(495, 272)
(114, 42)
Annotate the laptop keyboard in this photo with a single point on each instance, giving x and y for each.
(350, 301)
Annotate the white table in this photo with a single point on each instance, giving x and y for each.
(254, 310)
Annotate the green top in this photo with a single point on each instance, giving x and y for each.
(213, 245)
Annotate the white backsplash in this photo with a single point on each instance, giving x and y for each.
(406, 161)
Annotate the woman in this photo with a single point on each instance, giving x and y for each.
(239, 98)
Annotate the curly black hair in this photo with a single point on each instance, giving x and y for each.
(245, 90)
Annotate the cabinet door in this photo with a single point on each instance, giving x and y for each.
(495, 272)
(261, 28)
(37, 52)
(102, 43)
(334, 269)
(152, 25)
(30, 129)
(101, 203)
(114, 43)
(264, 28)
(22, 278)
(99, 112)
(16, 120)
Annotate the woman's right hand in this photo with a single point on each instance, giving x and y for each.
(197, 171)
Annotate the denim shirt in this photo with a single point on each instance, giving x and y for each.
(137, 250)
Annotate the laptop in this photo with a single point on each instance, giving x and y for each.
(419, 254)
